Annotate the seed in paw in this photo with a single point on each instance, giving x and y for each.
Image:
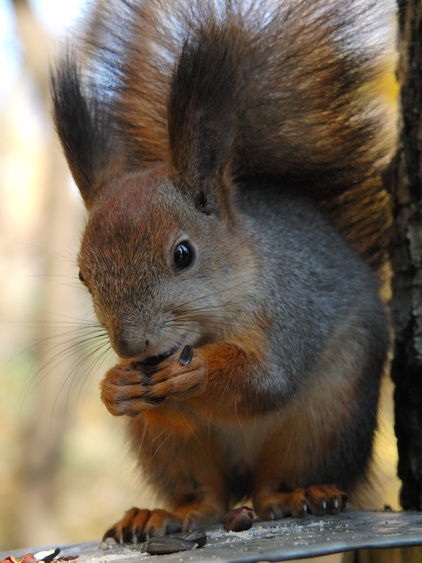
(238, 520)
(186, 355)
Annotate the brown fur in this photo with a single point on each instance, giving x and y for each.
(317, 131)
(257, 134)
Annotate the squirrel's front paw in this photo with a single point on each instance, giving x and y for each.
(179, 380)
(127, 391)
(137, 525)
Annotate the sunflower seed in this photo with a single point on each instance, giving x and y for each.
(164, 545)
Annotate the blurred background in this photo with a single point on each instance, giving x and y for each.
(65, 472)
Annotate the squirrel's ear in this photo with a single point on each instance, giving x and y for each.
(83, 128)
(202, 121)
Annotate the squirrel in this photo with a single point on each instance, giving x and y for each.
(233, 158)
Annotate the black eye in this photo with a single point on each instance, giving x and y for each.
(183, 255)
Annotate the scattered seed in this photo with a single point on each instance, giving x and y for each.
(238, 520)
(48, 555)
(166, 544)
(197, 536)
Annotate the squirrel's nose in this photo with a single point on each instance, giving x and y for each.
(129, 347)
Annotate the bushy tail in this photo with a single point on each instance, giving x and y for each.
(294, 91)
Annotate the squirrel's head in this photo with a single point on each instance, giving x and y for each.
(161, 253)
(159, 265)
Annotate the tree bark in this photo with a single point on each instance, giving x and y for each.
(407, 259)
(406, 189)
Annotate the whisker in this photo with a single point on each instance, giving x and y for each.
(191, 427)
(141, 443)
(166, 437)
(159, 435)
(75, 378)
(97, 361)
(87, 340)
(208, 295)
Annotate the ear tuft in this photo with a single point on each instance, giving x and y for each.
(205, 95)
(202, 204)
(83, 126)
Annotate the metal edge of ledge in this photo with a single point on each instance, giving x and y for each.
(280, 540)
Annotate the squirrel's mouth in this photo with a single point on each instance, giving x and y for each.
(154, 360)
(151, 361)
(185, 350)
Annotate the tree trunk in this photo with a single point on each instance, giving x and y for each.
(407, 259)
(406, 189)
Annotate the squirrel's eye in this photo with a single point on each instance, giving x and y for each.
(183, 255)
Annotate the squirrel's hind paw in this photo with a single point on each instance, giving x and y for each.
(326, 499)
(317, 500)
